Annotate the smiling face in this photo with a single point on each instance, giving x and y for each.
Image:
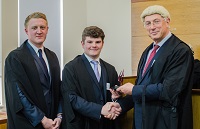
(157, 27)
(37, 30)
(92, 46)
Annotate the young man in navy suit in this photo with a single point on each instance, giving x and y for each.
(32, 80)
(161, 96)
(85, 94)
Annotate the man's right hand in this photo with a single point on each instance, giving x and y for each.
(111, 110)
(115, 94)
(47, 123)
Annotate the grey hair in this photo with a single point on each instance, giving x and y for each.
(155, 9)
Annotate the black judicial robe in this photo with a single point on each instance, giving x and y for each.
(196, 79)
(162, 97)
(78, 78)
(21, 69)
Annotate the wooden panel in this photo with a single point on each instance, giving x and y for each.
(134, 1)
(3, 118)
(127, 119)
(184, 16)
(130, 79)
(195, 108)
(138, 46)
(184, 24)
(3, 126)
(193, 40)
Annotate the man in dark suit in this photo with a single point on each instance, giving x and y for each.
(161, 95)
(84, 89)
(32, 80)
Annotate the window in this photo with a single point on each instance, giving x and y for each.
(1, 91)
(53, 11)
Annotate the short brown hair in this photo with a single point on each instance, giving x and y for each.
(35, 15)
(93, 32)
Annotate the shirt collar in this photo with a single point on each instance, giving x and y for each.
(34, 47)
(90, 59)
(164, 40)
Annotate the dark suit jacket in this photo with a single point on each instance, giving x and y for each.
(162, 97)
(80, 81)
(21, 69)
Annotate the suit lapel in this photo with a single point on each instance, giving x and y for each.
(152, 62)
(92, 74)
(164, 51)
(104, 78)
(28, 60)
(142, 64)
(35, 56)
(50, 61)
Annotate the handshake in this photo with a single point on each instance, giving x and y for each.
(111, 110)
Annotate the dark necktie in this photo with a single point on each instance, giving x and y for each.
(150, 58)
(96, 71)
(43, 63)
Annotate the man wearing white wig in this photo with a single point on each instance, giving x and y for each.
(161, 96)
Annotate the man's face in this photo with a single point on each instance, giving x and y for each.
(157, 27)
(92, 47)
(37, 31)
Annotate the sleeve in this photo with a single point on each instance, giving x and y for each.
(126, 103)
(152, 92)
(178, 76)
(73, 100)
(84, 107)
(32, 113)
(59, 108)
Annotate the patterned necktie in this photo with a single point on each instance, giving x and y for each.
(43, 63)
(150, 58)
(96, 71)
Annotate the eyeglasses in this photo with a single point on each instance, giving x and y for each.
(155, 22)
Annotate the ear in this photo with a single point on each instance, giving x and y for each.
(26, 31)
(82, 44)
(102, 43)
(47, 29)
(168, 20)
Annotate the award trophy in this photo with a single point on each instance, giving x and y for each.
(120, 79)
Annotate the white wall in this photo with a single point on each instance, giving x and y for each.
(1, 54)
(74, 21)
(114, 17)
(10, 32)
(1, 39)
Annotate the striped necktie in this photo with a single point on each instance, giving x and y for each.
(150, 58)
